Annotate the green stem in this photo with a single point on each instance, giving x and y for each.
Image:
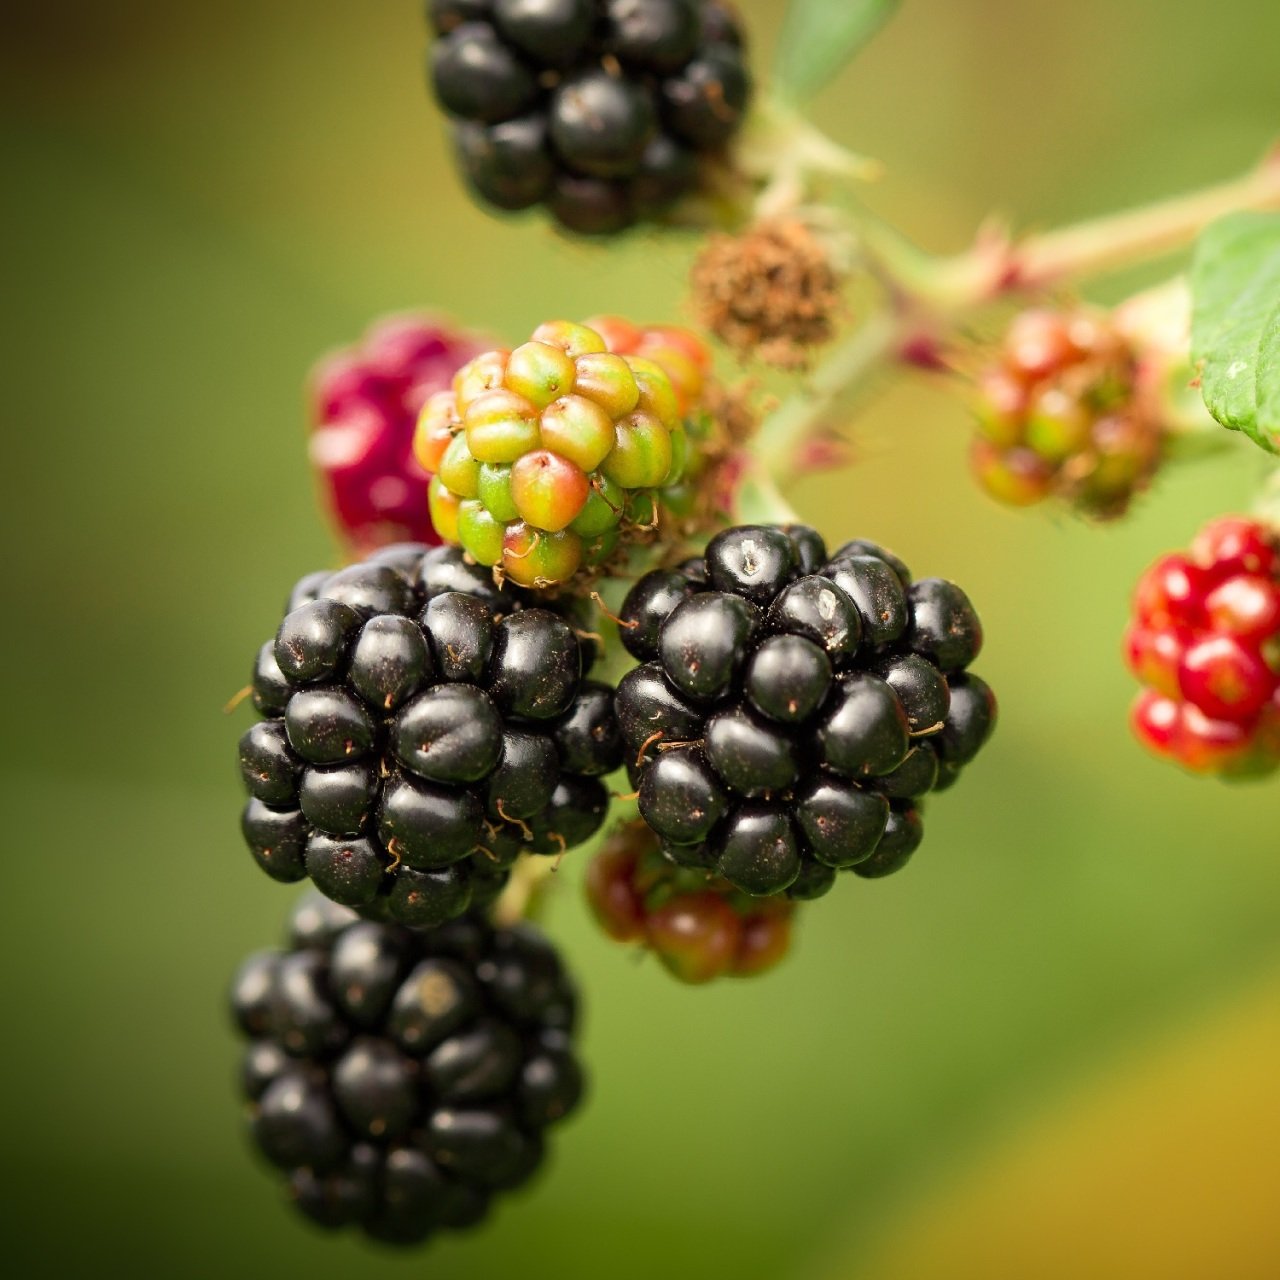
(760, 501)
(778, 444)
(999, 265)
(930, 295)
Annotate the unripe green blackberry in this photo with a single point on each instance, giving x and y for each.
(402, 1080)
(546, 455)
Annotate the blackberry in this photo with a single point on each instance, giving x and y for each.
(608, 112)
(400, 1080)
(364, 401)
(424, 727)
(791, 709)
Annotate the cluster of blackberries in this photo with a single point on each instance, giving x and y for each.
(1205, 640)
(603, 110)
(424, 727)
(402, 1079)
(792, 708)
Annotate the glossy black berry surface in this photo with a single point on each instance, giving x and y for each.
(792, 708)
(424, 727)
(401, 1080)
(607, 112)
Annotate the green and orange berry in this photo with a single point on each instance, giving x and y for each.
(1059, 414)
(545, 456)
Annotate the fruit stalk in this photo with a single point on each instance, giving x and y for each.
(928, 296)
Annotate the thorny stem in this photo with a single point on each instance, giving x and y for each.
(927, 296)
(997, 265)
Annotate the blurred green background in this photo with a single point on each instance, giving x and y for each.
(1048, 1048)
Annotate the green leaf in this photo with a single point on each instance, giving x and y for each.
(819, 37)
(1235, 327)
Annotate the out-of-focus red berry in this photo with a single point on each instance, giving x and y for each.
(1246, 606)
(1172, 591)
(1237, 544)
(1154, 655)
(1060, 414)
(1224, 678)
(1205, 642)
(765, 941)
(697, 924)
(696, 936)
(611, 892)
(364, 403)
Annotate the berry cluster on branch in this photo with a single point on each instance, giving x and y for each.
(575, 599)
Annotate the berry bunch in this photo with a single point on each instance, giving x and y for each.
(543, 457)
(364, 402)
(606, 111)
(1205, 640)
(423, 729)
(402, 1080)
(792, 709)
(1058, 415)
(698, 925)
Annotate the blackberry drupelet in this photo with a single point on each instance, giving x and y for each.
(791, 709)
(402, 1079)
(607, 112)
(423, 728)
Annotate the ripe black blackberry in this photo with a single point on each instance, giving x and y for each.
(401, 1079)
(423, 728)
(606, 111)
(792, 709)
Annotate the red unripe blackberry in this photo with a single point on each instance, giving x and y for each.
(784, 722)
(1205, 641)
(364, 404)
(608, 112)
(402, 1080)
(698, 925)
(1060, 413)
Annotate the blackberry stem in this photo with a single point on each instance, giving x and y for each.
(929, 296)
